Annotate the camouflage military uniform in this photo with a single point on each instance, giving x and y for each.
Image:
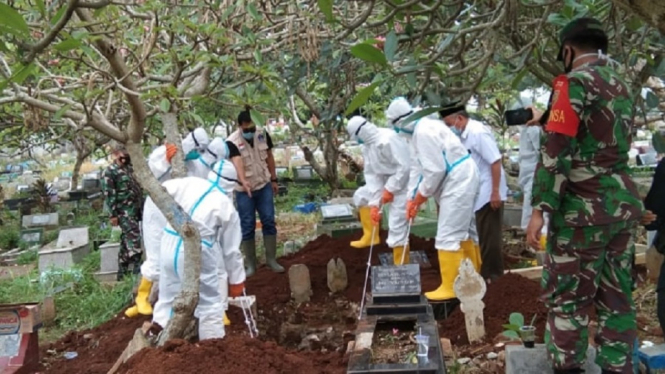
(583, 181)
(124, 199)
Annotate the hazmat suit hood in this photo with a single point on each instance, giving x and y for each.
(361, 130)
(217, 150)
(398, 110)
(196, 140)
(224, 176)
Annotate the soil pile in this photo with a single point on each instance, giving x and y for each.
(233, 354)
(97, 348)
(510, 293)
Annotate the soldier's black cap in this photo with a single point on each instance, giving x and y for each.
(581, 27)
(452, 108)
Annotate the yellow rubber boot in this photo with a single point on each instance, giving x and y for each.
(142, 296)
(132, 312)
(449, 262)
(478, 256)
(470, 253)
(397, 255)
(227, 321)
(366, 221)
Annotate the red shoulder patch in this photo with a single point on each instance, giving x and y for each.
(563, 118)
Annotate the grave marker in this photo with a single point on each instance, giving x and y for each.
(32, 236)
(300, 283)
(395, 280)
(470, 288)
(337, 278)
(40, 220)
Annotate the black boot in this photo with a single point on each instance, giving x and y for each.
(249, 247)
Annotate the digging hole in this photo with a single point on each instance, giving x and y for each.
(394, 342)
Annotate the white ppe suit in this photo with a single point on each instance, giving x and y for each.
(223, 174)
(528, 159)
(213, 214)
(216, 150)
(196, 140)
(451, 177)
(386, 166)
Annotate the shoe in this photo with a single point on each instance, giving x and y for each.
(366, 222)
(397, 255)
(449, 262)
(270, 242)
(227, 321)
(132, 312)
(249, 248)
(142, 296)
(470, 252)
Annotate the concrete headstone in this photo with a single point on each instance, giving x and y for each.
(470, 288)
(396, 280)
(74, 237)
(522, 360)
(289, 247)
(300, 283)
(337, 278)
(40, 220)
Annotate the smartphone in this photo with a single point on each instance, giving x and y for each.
(518, 117)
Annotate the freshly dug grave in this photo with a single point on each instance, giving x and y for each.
(319, 328)
(234, 354)
(510, 293)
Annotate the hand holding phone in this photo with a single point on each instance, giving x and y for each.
(518, 117)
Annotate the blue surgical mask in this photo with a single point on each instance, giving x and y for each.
(248, 135)
(456, 131)
(192, 155)
(360, 141)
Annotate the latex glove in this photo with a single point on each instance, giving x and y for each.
(375, 214)
(412, 206)
(192, 155)
(387, 197)
(171, 150)
(236, 290)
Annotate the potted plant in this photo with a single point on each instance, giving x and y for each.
(516, 329)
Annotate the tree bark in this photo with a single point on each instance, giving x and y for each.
(77, 169)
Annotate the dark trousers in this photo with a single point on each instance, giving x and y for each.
(660, 292)
(489, 223)
(262, 201)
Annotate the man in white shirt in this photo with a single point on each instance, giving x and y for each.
(480, 142)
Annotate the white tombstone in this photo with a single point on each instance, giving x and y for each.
(470, 289)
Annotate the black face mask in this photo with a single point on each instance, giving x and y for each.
(125, 160)
(568, 68)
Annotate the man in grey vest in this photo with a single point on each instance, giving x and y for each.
(255, 148)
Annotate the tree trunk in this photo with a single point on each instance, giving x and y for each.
(185, 303)
(77, 169)
(652, 12)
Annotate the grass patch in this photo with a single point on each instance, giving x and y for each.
(81, 302)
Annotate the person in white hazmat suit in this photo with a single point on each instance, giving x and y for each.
(450, 176)
(154, 223)
(193, 145)
(213, 214)
(386, 170)
(528, 160)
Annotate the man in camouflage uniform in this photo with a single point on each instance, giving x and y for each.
(124, 200)
(583, 181)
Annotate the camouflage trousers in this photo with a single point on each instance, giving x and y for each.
(585, 267)
(131, 252)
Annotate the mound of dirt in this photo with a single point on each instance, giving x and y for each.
(510, 293)
(233, 354)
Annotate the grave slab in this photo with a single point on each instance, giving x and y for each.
(73, 237)
(396, 284)
(32, 236)
(109, 257)
(71, 247)
(40, 220)
(521, 360)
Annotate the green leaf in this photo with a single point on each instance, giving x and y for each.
(390, 46)
(369, 53)
(253, 12)
(12, 22)
(511, 334)
(412, 80)
(257, 117)
(165, 105)
(21, 73)
(518, 78)
(60, 112)
(41, 7)
(361, 97)
(511, 327)
(422, 113)
(516, 319)
(257, 55)
(67, 45)
(58, 15)
(557, 19)
(658, 141)
(652, 100)
(326, 7)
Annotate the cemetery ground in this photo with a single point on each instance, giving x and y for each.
(313, 336)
